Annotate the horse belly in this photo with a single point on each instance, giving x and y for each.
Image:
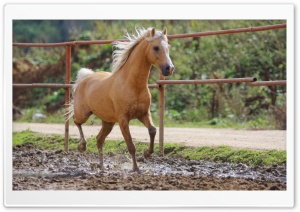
(105, 113)
(103, 108)
(100, 102)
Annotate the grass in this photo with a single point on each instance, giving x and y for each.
(217, 154)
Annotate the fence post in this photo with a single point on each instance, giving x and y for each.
(161, 116)
(68, 94)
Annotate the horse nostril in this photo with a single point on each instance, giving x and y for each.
(167, 70)
(172, 68)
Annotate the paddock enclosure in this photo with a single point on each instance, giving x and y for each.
(160, 84)
(52, 169)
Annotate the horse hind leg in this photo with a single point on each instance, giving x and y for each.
(82, 144)
(80, 119)
(105, 130)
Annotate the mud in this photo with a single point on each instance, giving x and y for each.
(36, 169)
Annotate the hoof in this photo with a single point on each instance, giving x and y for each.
(82, 147)
(95, 166)
(101, 167)
(146, 153)
(136, 170)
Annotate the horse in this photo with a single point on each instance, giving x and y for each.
(122, 94)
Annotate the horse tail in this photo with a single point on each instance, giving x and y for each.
(82, 73)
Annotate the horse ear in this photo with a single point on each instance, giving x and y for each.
(152, 33)
(165, 31)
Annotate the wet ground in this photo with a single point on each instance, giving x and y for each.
(36, 169)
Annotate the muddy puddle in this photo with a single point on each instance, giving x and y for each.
(35, 169)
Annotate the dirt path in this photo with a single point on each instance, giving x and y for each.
(250, 139)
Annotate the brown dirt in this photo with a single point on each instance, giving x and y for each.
(142, 182)
(36, 169)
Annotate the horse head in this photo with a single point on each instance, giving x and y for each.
(158, 52)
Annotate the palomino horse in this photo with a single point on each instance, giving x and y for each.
(122, 95)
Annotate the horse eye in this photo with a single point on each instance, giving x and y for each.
(156, 48)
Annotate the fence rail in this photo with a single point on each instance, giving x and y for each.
(207, 81)
(229, 31)
(159, 83)
(56, 85)
(252, 82)
(42, 85)
(176, 36)
(269, 83)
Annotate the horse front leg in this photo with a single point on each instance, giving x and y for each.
(124, 126)
(147, 121)
(105, 130)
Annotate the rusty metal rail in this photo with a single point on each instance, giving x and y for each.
(68, 94)
(269, 83)
(57, 85)
(207, 81)
(228, 31)
(42, 85)
(252, 82)
(176, 36)
(159, 84)
(69, 43)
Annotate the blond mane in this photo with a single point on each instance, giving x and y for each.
(124, 48)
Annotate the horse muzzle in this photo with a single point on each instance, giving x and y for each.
(167, 70)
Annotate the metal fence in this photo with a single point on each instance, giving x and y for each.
(160, 84)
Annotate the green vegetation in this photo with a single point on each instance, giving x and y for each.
(217, 154)
(256, 54)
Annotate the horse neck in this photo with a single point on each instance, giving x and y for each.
(136, 70)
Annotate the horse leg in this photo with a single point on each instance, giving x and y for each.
(147, 121)
(81, 115)
(124, 126)
(82, 144)
(105, 130)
